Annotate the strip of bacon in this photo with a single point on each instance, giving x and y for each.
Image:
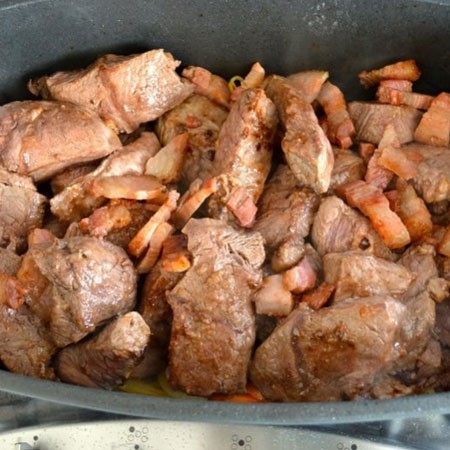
(373, 204)
(444, 245)
(395, 160)
(143, 237)
(162, 232)
(366, 150)
(397, 97)
(340, 129)
(175, 256)
(402, 70)
(241, 205)
(308, 83)
(132, 187)
(106, 219)
(273, 298)
(193, 199)
(399, 85)
(12, 292)
(301, 277)
(434, 128)
(319, 296)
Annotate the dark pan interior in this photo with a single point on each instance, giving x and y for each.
(342, 36)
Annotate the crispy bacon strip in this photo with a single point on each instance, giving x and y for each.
(193, 199)
(395, 160)
(241, 205)
(208, 84)
(366, 150)
(132, 187)
(444, 245)
(162, 232)
(274, 298)
(340, 129)
(397, 97)
(434, 128)
(373, 204)
(175, 256)
(106, 219)
(319, 296)
(399, 85)
(12, 292)
(143, 237)
(301, 277)
(402, 70)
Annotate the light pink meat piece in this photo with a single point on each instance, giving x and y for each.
(398, 97)
(241, 205)
(308, 83)
(273, 298)
(348, 166)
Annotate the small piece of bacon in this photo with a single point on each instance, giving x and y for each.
(241, 205)
(395, 160)
(175, 256)
(143, 237)
(308, 83)
(273, 298)
(402, 70)
(319, 296)
(434, 128)
(254, 79)
(301, 277)
(366, 150)
(396, 97)
(373, 204)
(132, 187)
(399, 85)
(444, 245)
(12, 292)
(192, 200)
(106, 219)
(340, 129)
(162, 232)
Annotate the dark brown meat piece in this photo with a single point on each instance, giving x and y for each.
(26, 345)
(244, 148)
(348, 166)
(432, 180)
(339, 228)
(285, 216)
(107, 359)
(370, 120)
(77, 284)
(157, 314)
(358, 274)
(75, 202)
(22, 208)
(213, 328)
(307, 149)
(201, 119)
(124, 91)
(9, 262)
(40, 139)
(71, 175)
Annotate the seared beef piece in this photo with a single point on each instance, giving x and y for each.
(157, 314)
(307, 149)
(285, 215)
(339, 228)
(40, 139)
(71, 175)
(26, 346)
(432, 180)
(124, 91)
(244, 149)
(370, 120)
(308, 83)
(75, 202)
(348, 166)
(358, 274)
(77, 284)
(107, 359)
(202, 120)
(344, 351)
(22, 208)
(9, 262)
(213, 328)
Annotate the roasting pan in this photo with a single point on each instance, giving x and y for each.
(342, 36)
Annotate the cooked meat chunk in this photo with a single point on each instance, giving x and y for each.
(26, 346)
(254, 79)
(71, 175)
(202, 120)
(386, 94)
(339, 228)
(75, 202)
(213, 328)
(342, 352)
(308, 83)
(22, 208)
(348, 166)
(40, 139)
(273, 298)
(401, 70)
(285, 215)
(157, 314)
(78, 283)
(357, 274)
(124, 91)
(370, 120)
(9, 262)
(308, 151)
(244, 148)
(432, 180)
(107, 359)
